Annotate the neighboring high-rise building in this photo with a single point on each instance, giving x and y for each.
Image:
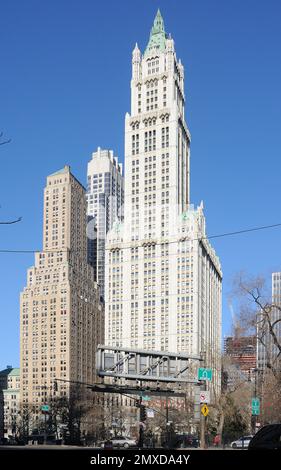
(163, 279)
(9, 401)
(268, 352)
(105, 197)
(61, 320)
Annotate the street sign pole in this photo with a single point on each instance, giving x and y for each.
(255, 412)
(45, 410)
(167, 424)
(203, 431)
(45, 427)
(140, 443)
(203, 375)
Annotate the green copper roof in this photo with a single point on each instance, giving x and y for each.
(10, 371)
(15, 372)
(157, 37)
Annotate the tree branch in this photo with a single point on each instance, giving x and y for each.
(11, 222)
(4, 141)
(275, 322)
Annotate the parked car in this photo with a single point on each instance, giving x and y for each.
(268, 437)
(4, 441)
(125, 442)
(120, 441)
(185, 440)
(241, 443)
(107, 445)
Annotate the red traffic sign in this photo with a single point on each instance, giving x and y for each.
(205, 396)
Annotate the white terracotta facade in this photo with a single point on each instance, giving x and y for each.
(163, 278)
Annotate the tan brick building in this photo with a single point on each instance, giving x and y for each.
(61, 318)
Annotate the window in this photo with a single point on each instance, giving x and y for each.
(150, 141)
(135, 144)
(165, 137)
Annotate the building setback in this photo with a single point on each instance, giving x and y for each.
(163, 278)
(61, 318)
(105, 198)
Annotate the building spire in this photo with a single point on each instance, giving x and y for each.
(158, 25)
(157, 35)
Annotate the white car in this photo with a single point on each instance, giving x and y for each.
(121, 441)
(241, 443)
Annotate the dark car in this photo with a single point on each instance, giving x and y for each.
(4, 441)
(268, 437)
(107, 445)
(185, 440)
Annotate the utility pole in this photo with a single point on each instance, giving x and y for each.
(167, 423)
(141, 424)
(45, 427)
(254, 416)
(203, 431)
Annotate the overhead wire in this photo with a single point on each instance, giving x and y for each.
(163, 242)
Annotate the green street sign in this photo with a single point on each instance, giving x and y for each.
(146, 398)
(255, 406)
(205, 374)
(45, 407)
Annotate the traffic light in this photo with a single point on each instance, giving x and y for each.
(55, 386)
(143, 413)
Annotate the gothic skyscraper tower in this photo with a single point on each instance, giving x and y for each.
(157, 125)
(163, 279)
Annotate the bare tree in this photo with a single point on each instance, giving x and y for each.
(68, 413)
(26, 421)
(261, 315)
(234, 398)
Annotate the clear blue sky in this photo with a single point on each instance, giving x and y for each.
(65, 89)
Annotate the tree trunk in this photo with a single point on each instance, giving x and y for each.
(221, 423)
